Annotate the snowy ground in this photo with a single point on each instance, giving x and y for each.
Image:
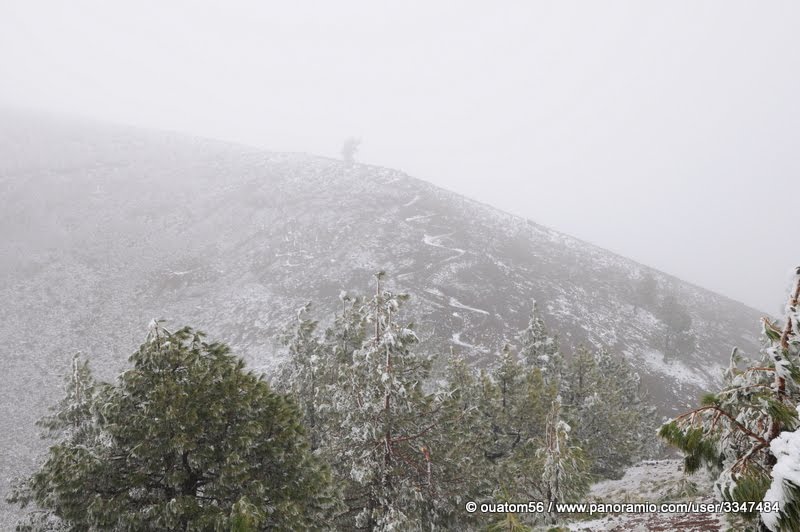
(655, 482)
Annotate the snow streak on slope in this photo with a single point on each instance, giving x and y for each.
(457, 304)
(457, 341)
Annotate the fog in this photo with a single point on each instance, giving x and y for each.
(665, 132)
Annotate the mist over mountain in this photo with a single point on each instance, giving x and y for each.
(106, 227)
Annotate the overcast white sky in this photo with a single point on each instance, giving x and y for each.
(665, 131)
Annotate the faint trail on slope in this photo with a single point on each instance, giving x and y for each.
(435, 242)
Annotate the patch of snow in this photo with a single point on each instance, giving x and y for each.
(412, 202)
(785, 474)
(643, 479)
(456, 338)
(653, 481)
(434, 291)
(435, 241)
(457, 304)
(654, 360)
(419, 217)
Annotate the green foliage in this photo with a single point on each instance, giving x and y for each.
(509, 523)
(185, 440)
(684, 489)
(790, 511)
(781, 413)
(609, 417)
(565, 472)
(699, 448)
(709, 399)
(246, 517)
(750, 486)
(736, 431)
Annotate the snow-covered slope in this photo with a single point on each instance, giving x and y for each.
(106, 227)
(654, 482)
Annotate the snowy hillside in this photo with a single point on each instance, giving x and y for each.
(110, 227)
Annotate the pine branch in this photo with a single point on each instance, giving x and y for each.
(733, 420)
(407, 461)
(740, 464)
(417, 435)
(740, 388)
(787, 330)
(759, 368)
(780, 381)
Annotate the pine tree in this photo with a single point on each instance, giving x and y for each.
(305, 375)
(538, 349)
(742, 431)
(580, 378)
(480, 437)
(71, 421)
(610, 419)
(349, 149)
(516, 401)
(678, 337)
(645, 292)
(186, 439)
(72, 416)
(565, 472)
(349, 330)
(502, 402)
(461, 440)
(384, 433)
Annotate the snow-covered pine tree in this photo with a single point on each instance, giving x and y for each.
(515, 400)
(565, 473)
(384, 428)
(503, 397)
(538, 348)
(71, 418)
(187, 439)
(603, 403)
(743, 431)
(349, 330)
(544, 467)
(305, 373)
(71, 421)
(461, 440)
(580, 378)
